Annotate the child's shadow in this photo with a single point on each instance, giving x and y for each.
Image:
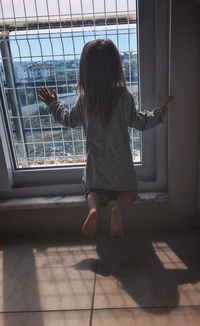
(151, 269)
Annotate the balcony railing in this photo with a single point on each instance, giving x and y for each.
(39, 50)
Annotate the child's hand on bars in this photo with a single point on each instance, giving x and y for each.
(47, 97)
(165, 106)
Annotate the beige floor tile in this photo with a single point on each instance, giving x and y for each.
(57, 318)
(46, 276)
(182, 316)
(148, 271)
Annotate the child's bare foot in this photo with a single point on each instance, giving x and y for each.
(116, 224)
(90, 225)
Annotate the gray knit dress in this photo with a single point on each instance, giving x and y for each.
(109, 160)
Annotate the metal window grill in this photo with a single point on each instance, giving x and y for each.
(41, 45)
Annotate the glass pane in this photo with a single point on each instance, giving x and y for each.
(46, 51)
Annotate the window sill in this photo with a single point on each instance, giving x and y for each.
(70, 201)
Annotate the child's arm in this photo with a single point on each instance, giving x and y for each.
(144, 120)
(68, 117)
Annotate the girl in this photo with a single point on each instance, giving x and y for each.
(105, 109)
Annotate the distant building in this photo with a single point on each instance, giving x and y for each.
(126, 57)
(2, 73)
(21, 71)
(40, 70)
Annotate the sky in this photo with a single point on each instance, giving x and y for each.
(41, 47)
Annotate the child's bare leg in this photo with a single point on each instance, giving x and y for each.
(94, 201)
(124, 201)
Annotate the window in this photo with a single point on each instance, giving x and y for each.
(42, 46)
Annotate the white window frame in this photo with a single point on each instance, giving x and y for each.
(153, 48)
(154, 41)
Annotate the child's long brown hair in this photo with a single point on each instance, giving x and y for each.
(101, 79)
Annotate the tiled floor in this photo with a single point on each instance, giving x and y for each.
(149, 278)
